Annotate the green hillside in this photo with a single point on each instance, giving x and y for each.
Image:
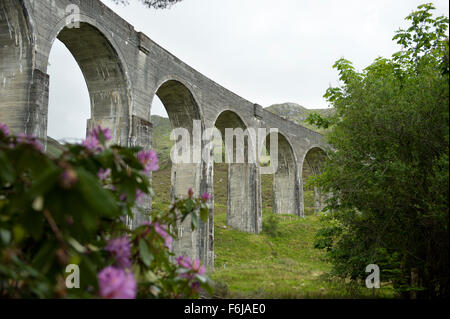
(266, 266)
(261, 266)
(297, 113)
(161, 138)
(54, 148)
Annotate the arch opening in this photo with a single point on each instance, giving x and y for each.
(236, 179)
(69, 102)
(313, 198)
(174, 179)
(284, 192)
(105, 79)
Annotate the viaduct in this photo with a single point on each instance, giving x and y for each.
(124, 69)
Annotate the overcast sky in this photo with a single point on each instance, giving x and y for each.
(263, 50)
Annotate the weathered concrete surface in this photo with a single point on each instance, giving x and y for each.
(286, 181)
(242, 210)
(313, 163)
(124, 70)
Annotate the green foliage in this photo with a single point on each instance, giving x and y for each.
(57, 210)
(263, 266)
(161, 141)
(318, 120)
(388, 175)
(271, 225)
(284, 266)
(155, 4)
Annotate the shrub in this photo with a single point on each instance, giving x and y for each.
(271, 225)
(70, 209)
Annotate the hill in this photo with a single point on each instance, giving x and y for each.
(54, 148)
(297, 113)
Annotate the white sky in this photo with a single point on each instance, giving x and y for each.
(263, 50)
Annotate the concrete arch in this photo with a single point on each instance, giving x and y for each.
(243, 182)
(179, 102)
(105, 75)
(238, 117)
(230, 119)
(84, 19)
(183, 110)
(285, 179)
(312, 164)
(314, 157)
(290, 146)
(192, 90)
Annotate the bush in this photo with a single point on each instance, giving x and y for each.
(388, 170)
(70, 210)
(271, 225)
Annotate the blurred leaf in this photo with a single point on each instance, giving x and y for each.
(6, 169)
(194, 221)
(97, 197)
(44, 257)
(5, 236)
(204, 213)
(144, 252)
(46, 181)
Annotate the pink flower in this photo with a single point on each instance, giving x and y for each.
(162, 231)
(68, 178)
(120, 248)
(92, 144)
(4, 129)
(190, 192)
(193, 268)
(149, 160)
(23, 138)
(140, 195)
(198, 268)
(92, 141)
(184, 262)
(205, 197)
(117, 284)
(104, 174)
(99, 131)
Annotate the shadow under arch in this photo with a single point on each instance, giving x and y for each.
(285, 185)
(243, 183)
(312, 164)
(180, 104)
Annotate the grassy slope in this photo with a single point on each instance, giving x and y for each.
(261, 266)
(258, 266)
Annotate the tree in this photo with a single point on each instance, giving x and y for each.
(156, 4)
(388, 172)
